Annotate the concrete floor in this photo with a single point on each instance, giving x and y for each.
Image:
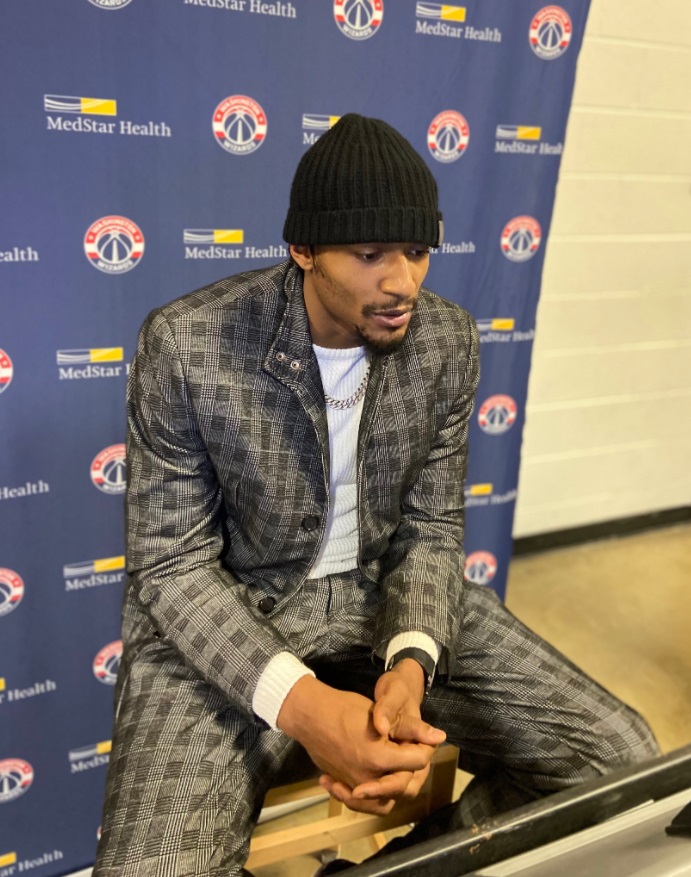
(620, 609)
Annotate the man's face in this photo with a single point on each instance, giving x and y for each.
(361, 294)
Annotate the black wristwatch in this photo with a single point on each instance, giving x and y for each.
(426, 661)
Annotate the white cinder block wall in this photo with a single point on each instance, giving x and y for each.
(608, 432)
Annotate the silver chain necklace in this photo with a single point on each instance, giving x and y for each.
(351, 401)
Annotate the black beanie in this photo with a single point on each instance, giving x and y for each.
(362, 182)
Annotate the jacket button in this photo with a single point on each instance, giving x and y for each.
(266, 604)
(311, 522)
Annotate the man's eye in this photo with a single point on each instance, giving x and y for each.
(368, 257)
(419, 252)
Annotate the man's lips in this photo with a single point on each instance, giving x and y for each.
(392, 319)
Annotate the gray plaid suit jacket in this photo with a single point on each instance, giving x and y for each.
(228, 474)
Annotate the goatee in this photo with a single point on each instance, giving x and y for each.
(381, 346)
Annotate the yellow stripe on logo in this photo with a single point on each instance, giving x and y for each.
(8, 859)
(333, 120)
(526, 132)
(102, 748)
(503, 325)
(106, 354)
(2, 684)
(480, 489)
(97, 106)
(109, 563)
(453, 13)
(229, 236)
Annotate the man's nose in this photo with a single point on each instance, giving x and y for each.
(399, 278)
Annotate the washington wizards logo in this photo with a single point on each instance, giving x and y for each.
(480, 567)
(521, 238)
(110, 4)
(11, 591)
(550, 32)
(358, 19)
(114, 244)
(108, 470)
(239, 124)
(16, 776)
(497, 414)
(448, 136)
(6, 371)
(107, 662)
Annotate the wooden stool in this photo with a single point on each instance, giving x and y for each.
(342, 825)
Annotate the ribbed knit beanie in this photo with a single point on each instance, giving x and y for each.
(362, 182)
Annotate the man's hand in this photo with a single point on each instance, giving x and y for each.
(398, 695)
(396, 715)
(337, 730)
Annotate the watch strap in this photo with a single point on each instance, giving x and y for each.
(425, 660)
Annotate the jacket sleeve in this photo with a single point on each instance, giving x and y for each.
(174, 536)
(422, 577)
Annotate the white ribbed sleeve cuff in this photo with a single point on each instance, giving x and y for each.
(279, 676)
(413, 639)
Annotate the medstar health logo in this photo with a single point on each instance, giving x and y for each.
(239, 124)
(94, 573)
(440, 11)
(550, 32)
(496, 324)
(114, 244)
(6, 371)
(83, 355)
(448, 136)
(518, 132)
(314, 125)
(107, 662)
(497, 414)
(521, 238)
(358, 19)
(87, 757)
(314, 122)
(213, 236)
(480, 567)
(11, 591)
(16, 776)
(108, 470)
(110, 4)
(91, 106)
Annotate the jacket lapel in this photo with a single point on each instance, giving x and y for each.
(291, 360)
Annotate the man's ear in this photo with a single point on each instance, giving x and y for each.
(302, 254)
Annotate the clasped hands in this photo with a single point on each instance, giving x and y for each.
(372, 753)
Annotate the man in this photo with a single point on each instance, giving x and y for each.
(297, 451)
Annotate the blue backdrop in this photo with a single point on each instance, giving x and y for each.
(148, 148)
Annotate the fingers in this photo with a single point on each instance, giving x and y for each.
(394, 757)
(341, 792)
(414, 730)
(327, 782)
(393, 785)
(398, 725)
(380, 759)
(397, 716)
(377, 796)
(387, 709)
(416, 783)
(375, 806)
(401, 785)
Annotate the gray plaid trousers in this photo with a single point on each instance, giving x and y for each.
(188, 773)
